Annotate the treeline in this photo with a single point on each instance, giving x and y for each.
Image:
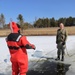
(51, 22)
(20, 21)
(39, 23)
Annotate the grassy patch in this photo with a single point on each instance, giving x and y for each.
(39, 31)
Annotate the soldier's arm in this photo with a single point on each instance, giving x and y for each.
(66, 34)
(26, 43)
(57, 37)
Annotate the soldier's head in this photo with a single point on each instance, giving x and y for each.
(61, 26)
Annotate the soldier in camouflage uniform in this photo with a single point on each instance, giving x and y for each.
(61, 41)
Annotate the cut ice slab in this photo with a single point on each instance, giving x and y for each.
(40, 53)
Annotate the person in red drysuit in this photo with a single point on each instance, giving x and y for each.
(17, 45)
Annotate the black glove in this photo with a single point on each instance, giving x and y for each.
(63, 43)
(34, 47)
(28, 47)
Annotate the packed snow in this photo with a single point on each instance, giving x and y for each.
(45, 48)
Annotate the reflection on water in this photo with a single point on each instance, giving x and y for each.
(61, 69)
(49, 68)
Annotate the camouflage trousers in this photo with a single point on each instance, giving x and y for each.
(61, 50)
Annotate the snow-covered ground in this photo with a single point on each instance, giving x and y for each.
(45, 47)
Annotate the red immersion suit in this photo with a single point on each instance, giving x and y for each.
(17, 45)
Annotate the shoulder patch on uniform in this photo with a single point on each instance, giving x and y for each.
(18, 38)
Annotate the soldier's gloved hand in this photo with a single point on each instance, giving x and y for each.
(33, 47)
(63, 43)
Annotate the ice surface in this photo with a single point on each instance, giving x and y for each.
(45, 47)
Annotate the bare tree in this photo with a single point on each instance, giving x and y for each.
(2, 20)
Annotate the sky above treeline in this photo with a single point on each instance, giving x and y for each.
(34, 9)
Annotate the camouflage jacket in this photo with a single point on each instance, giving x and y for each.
(61, 36)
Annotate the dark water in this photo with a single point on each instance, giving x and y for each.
(46, 67)
(49, 68)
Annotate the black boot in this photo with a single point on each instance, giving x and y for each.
(58, 58)
(62, 58)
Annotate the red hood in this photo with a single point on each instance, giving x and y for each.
(14, 28)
